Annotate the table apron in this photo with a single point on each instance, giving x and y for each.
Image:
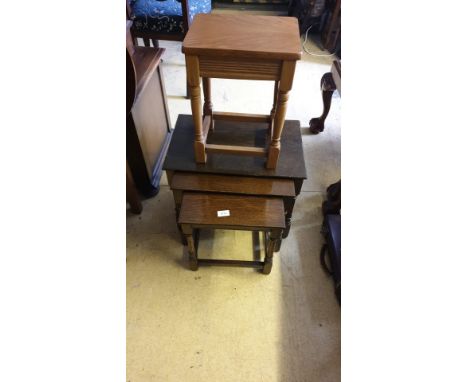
(240, 68)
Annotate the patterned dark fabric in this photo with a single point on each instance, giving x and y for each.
(164, 16)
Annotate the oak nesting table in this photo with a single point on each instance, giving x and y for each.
(243, 47)
(259, 199)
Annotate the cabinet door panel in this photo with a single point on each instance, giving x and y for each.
(149, 116)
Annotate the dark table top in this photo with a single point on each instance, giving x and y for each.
(180, 155)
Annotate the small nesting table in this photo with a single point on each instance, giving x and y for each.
(244, 47)
(227, 181)
(251, 213)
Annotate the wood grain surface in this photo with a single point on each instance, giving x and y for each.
(146, 61)
(241, 35)
(232, 184)
(240, 68)
(291, 165)
(245, 211)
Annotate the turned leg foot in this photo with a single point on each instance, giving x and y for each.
(316, 125)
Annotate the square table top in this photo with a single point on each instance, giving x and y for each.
(181, 157)
(240, 35)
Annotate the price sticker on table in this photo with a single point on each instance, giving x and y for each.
(224, 213)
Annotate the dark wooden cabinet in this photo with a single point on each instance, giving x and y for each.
(148, 124)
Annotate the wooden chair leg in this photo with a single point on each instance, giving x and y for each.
(328, 87)
(155, 43)
(146, 41)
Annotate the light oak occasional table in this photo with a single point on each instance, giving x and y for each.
(244, 47)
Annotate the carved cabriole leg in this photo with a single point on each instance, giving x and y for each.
(192, 251)
(328, 87)
(193, 78)
(285, 84)
(207, 106)
(273, 237)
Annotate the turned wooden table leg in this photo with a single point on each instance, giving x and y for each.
(288, 208)
(192, 251)
(285, 85)
(177, 194)
(328, 87)
(207, 106)
(193, 77)
(278, 245)
(187, 90)
(273, 237)
(273, 109)
(289, 203)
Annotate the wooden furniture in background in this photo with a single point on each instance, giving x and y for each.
(233, 174)
(148, 123)
(132, 194)
(330, 82)
(307, 12)
(242, 47)
(163, 19)
(331, 32)
(251, 213)
(133, 199)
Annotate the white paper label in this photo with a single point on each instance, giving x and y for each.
(223, 213)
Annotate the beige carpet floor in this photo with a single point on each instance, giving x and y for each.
(234, 324)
